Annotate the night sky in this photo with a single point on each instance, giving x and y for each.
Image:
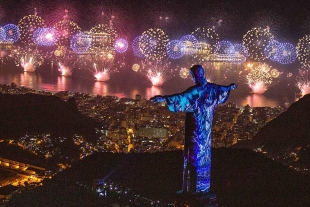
(288, 20)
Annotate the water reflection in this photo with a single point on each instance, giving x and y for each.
(153, 91)
(100, 88)
(130, 89)
(259, 100)
(27, 79)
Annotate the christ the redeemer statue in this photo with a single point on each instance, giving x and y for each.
(199, 102)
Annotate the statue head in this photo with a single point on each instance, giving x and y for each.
(198, 74)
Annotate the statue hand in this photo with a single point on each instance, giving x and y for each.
(158, 99)
(233, 86)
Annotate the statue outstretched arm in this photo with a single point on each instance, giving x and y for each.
(231, 86)
(158, 99)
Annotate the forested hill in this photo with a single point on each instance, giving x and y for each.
(37, 114)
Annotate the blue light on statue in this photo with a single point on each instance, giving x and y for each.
(198, 102)
(12, 32)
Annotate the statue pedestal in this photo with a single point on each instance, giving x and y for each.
(195, 200)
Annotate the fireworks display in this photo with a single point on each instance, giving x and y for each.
(303, 50)
(271, 21)
(224, 47)
(189, 44)
(2, 34)
(66, 29)
(45, 36)
(240, 49)
(157, 71)
(136, 47)
(80, 42)
(303, 81)
(108, 13)
(12, 32)
(206, 43)
(184, 72)
(256, 40)
(121, 45)
(65, 70)
(103, 37)
(174, 49)
(135, 67)
(97, 48)
(286, 53)
(27, 26)
(103, 67)
(153, 43)
(206, 36)
(259, 78)
(29, 59)
(271, 50)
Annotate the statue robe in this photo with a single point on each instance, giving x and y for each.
(198, 102)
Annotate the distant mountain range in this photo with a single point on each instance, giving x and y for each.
(38, 114)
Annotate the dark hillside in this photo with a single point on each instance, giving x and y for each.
(38, 114)
(292, 127)
(240, 177)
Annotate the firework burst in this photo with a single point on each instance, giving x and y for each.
(303, 81)
(12, 32)
(66, 29)
(63, 10)
(103, 67)
(207, 40)
(45, 36)
(157, 71)
(189, 44)
(29, 59)
(103, 38)
(27, 26)
(184, 73)
(272, 22)
(259, 78)
(107, 12)
(121, 45)
(153, 44)
(256, 40)
(66, 64)
(174, 49)
(286, 53)
(303, 50)
(80, 42)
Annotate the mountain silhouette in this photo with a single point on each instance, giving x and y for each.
(289, 128)
(38, 114)
(239, 177)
